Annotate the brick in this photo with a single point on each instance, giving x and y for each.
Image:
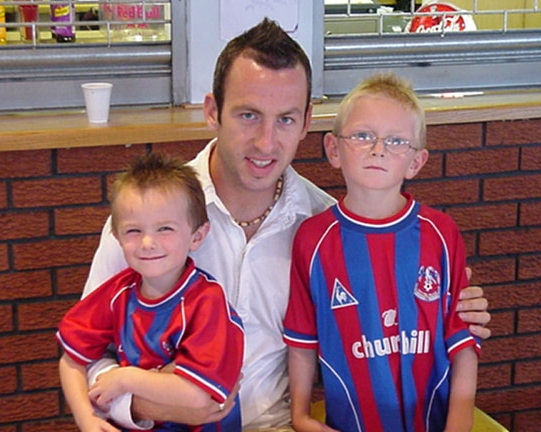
(43, 315)
(24, 225)
(8, 380)
(493, 376)
(18, 164)
(470, 242)
(27, 284)
(26, 347)
(311, 147)
(510, 241)
(529, 267)
(185, 150)
(30, 406)
(455, 136)
(8, 429)
(40, 376)
(6, 318)
(513, 295)
(53, 253)
(80, 220)
(512, 399)
(437, 193)
(57, 191)
(477, 217)
(3, 195)
(530, 157)
(499, 349)
(527, 421)
(528, 372)
(433, 167)
(529, 320)
(496, 270)
(530, 213)
(320, 173)
(71, 280)
(513, 132)
(502, 323)
(83, 159)
(4, 257)
(481, 161)
(514, 187)
(64, 425)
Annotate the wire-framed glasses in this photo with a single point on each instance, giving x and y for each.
(367, 140)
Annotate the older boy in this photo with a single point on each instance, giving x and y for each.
(375, 282)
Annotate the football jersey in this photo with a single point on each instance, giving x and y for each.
(377, 299)
(192, 326)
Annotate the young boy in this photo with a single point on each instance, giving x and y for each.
(161, 309)
(375, 282)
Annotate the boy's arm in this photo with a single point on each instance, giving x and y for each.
(463, 387)
(302, 369)
(161, 388)
(73, 379)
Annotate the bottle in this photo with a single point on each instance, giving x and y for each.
(62, 13)
(3, 32)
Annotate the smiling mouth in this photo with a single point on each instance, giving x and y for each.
(260, 163)
(151, 258)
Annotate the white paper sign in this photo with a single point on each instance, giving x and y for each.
(236, 16)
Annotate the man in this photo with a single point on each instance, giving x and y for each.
(260, 109)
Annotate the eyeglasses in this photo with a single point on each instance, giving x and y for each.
(367, 140)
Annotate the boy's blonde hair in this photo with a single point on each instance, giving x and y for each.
(388, 85)
(166, 174)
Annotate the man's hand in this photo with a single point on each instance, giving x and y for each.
(472, 308)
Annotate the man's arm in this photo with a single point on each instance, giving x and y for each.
(210, 413)
(462, 395)
(160, 388)
(472, 308)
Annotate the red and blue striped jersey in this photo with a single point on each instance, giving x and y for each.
(192, 326)
(377, 299)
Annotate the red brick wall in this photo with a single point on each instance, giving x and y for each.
(53, 204)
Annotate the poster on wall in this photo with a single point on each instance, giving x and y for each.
(236, 17)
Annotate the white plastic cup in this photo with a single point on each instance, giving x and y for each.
(97, 98)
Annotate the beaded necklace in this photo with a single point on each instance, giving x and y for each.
(261, 218)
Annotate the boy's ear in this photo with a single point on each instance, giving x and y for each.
(330, 142)
(210, 110)
(417, 163)
(199, 235)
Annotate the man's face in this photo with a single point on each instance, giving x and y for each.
(262, 121)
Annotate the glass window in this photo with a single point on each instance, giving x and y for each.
(439, 46)
(48, 48)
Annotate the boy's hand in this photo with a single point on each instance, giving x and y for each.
(108, 386)
(94, 423)
(472, 308)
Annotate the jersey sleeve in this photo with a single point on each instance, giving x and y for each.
(300, 329)
(87, 328)
(211, 350)
(457, 334)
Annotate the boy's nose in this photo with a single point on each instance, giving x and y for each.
(378, 148)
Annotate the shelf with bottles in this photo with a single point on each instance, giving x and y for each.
(90, 22)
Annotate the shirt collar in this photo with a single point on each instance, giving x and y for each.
(294, 200)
